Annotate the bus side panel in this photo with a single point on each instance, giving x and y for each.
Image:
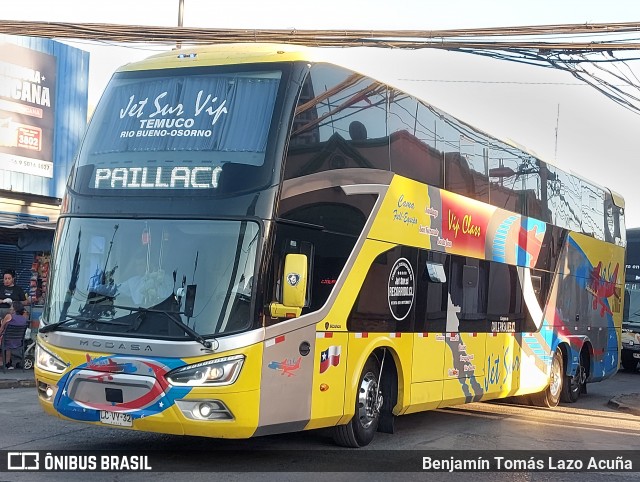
(590, 300)
(583, 309)
(428, 357)
(503, 361)
(426, 371)
(361, 346)
(463, 368)
(329, 374)
(329, 385)
(286, 381)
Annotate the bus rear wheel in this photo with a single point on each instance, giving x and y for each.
(573, 385)
(550, 397)
(364, 424)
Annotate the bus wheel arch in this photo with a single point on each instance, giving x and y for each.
(550, 396)
(389, 388)
(576, 384)
(376, 395)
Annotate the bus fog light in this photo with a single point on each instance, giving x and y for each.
(204, 409)
(46, 391)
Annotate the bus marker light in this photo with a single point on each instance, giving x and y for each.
(324, 387)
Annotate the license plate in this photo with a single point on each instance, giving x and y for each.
(636, 355)
(116, 418)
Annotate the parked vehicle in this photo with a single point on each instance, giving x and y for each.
(630, 355)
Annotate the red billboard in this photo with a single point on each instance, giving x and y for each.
(27, 94)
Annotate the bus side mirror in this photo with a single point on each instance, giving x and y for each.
(294, 287)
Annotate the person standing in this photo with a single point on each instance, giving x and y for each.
(16, 317)
(10, 292)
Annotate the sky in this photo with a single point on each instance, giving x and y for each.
(562, 120)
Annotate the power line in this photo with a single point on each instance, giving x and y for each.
(449, 38)
(587, 60)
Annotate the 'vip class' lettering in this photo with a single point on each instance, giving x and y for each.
(466, 225)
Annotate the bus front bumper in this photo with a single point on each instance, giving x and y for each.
(121, 402)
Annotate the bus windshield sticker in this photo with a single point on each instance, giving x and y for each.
(224, 113)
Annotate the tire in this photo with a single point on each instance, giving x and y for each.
(363, 426)
(28, 363)
(550, 396)
(628, 362)
(573, 385)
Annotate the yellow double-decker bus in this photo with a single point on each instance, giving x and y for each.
(260, 239)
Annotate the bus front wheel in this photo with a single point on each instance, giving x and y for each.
(550, 397)
(364, 424)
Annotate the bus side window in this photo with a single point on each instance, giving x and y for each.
(468, 289)
(505, 294)
(432, 292)
(340, 122)
(371, 311)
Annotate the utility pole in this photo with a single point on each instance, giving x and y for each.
(180, 18)
(555, 153)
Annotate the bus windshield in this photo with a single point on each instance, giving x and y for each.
(132, 277)
(632, 304)
(176, 129)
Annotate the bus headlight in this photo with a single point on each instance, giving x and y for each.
(45, 360)
(221, 371)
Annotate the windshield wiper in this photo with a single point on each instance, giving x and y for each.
(93, 321)
(187, 329)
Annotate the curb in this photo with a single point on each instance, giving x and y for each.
(25, 383)
(621, 403)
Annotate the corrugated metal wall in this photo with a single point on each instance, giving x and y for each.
(20, 261)
(72, 87)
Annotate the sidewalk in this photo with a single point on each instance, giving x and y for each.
(17, 378)
(627, 403)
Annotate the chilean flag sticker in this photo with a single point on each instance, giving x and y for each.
(329, 357)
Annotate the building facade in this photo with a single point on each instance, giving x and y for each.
(43, 115)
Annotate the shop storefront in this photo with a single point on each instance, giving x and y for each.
(25, 247)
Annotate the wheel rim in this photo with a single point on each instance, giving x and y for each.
(369, 402)
(28, 364)
(555, 383)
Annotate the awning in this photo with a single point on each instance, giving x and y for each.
(28, 236)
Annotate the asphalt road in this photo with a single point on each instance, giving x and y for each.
(591, 424)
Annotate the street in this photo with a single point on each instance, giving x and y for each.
(589, 424)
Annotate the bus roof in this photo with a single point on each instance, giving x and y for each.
(398, 68)
(406, 70)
